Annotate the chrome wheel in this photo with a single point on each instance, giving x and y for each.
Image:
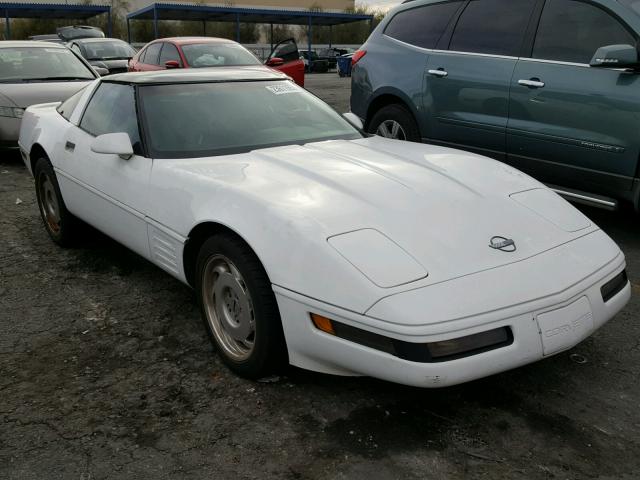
(391, 129)
(48, 202)
(228, 307)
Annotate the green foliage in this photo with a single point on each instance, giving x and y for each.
(350, 33)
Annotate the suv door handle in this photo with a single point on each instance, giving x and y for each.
(533, 83)
(441, 72)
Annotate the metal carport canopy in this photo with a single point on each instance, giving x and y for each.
(72, 11)
(176, 11)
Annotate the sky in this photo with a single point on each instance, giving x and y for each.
(379, 4)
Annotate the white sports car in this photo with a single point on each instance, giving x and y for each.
(308, 241)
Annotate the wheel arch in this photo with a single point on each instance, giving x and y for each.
(197, 236)
(37, 152)
(389, 96)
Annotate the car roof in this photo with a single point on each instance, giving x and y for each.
(198, 75)
(188, 40)
(96, 39)
(29, 43)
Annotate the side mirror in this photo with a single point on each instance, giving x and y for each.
(172, 64)
(274, 62)
(113, 144)
(101, 71)
(615, 56)
(354, 120)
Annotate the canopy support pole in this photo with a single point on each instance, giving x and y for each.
(309, 39)
(330, 33)
(109, 25)
(128, 30)
(204, 28)
(238, 27)
(155, 21)
(272, 37)
(7, 25)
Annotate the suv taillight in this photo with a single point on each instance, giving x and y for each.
(357, 56)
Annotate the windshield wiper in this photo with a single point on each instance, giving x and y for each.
(46, 79)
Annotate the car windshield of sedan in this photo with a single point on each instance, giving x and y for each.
(108, 50)
(217, 55)
(207, 119)
(32, 64)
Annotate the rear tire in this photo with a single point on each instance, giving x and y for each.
(394, 121)
(239, 308)
(61, 225)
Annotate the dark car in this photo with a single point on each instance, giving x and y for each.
(72, 32)
(331, 55)
(551, 87)
(313, 63)
(109, 53)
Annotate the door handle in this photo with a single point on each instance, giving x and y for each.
(441, 72)
(533, 83)
(70, 146)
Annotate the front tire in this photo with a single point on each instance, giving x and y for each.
(396, 122)
(239, 307)
(60, 224)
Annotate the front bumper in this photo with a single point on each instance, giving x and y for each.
(541, 327)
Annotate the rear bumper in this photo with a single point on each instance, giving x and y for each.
(540, 328)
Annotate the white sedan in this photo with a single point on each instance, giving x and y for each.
(309, 242)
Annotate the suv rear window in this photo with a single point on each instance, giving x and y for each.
(492, 26)
(422, 26)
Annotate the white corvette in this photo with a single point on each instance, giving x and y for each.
(310, 242)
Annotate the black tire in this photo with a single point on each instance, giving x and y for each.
(268, 353)
(60, 224)
(396, 113)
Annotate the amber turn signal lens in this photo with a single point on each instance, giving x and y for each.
(322, 323)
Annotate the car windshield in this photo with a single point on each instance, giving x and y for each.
(207, 119)
(217, 55)
(28, 64)
(108, 49)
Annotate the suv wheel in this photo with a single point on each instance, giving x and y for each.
(394, 121)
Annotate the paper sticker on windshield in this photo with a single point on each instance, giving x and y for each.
(286, 87)
(56, 50)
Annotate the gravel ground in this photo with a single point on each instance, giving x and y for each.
(106, 372)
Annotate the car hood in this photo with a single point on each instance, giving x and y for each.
(441, 206)
(31, 93)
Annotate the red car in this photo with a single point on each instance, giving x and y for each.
(201, 52)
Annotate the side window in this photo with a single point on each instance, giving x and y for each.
(169, 52)
(142, 55)
(112, 109)
(66, 108)
(572, 31)
(76, 49)
(492, 26)
(422, 26)
(152, 53)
